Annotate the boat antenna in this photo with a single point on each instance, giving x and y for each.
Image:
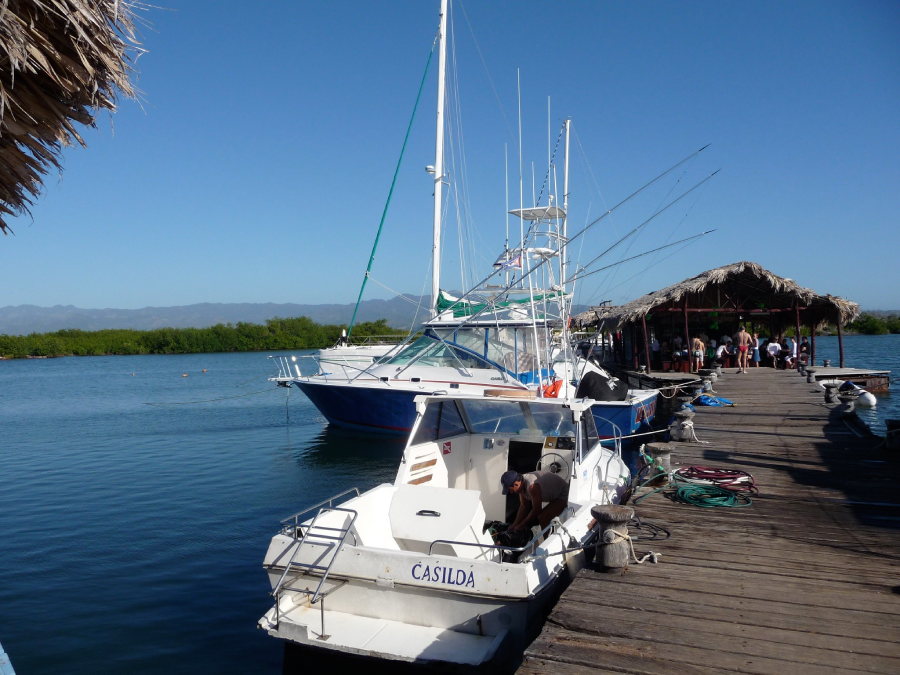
(391, 191)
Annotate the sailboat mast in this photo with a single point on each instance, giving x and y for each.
(439, 165)
(563, 263)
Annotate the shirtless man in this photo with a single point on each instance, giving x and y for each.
(743, 345)
(534, 489)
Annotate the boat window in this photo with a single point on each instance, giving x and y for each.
(590, 429)
(553, 420)
(441, 420)
(502, 347)
(492, 417)
(495, 417)
(450, 422)
(412, 351)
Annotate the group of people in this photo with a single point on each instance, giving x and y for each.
(785, 353)
(740, 351)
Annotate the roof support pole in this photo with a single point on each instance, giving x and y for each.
(687, 335)
(634, 349)
(646, 342)
(840, 340)
(812, 339)
(797, 323)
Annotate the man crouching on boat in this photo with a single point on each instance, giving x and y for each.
(534, 490)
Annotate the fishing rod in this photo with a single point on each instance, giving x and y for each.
(531, 233)
(662, 210)
(578, 277)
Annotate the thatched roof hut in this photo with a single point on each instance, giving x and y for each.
(61, 63)
(743, 292)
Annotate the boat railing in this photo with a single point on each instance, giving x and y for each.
(292, 523)
(368, 340)
(497, 547)
(313, 536)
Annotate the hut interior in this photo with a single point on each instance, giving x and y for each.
(713, 305)
(62, 62)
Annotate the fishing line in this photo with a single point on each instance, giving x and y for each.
(211, 400)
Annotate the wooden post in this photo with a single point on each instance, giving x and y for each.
(797, 322)
(646, 342)
(840, 342)
(687, 337)
(634, 349)
(812, 339)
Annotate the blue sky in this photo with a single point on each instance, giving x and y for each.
(257, 165)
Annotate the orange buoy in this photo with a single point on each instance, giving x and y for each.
(184, 375)
(204, 370)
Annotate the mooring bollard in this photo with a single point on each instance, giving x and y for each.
(892, 439)
(831, 393)
(811, 375)
(682, 427)
(801, 368)
(848, 404)
(613, 551)
(826, 363)
(684, 400)
(718, 369)
(661, 454)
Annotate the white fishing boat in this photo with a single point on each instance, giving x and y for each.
(411, 570)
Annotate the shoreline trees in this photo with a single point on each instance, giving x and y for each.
(276, 334)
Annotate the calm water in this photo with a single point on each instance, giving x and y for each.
(880, 352)
(133, 534)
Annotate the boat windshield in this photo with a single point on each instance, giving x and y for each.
(512, 417)
(429, 351)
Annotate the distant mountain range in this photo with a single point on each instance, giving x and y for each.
(25, 319)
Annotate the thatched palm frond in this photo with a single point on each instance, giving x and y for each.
(742, 285)
(61, 63)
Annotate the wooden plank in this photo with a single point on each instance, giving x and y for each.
(740, 638)
(804, 580)
(657, 658)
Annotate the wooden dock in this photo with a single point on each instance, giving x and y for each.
(805, 580)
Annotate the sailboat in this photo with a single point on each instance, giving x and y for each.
(509, 333)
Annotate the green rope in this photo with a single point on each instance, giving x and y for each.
(391, 192)
(696, 494)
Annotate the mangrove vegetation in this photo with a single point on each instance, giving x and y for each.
(278, 333)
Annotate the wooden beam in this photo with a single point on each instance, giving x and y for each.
(687, 336)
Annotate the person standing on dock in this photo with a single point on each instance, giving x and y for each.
(696, 354)
(754, 345)
(743, 345)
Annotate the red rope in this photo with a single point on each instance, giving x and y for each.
(729, 479)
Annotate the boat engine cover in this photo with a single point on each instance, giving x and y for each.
(420, 514)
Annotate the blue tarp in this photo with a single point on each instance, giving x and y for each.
(712, 401)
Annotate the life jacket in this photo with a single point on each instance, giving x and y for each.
(552, 390)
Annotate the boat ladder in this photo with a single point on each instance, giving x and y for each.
(315, 554)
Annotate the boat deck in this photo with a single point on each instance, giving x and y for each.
(805, 580)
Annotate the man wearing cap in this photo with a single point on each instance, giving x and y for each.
(536, 489)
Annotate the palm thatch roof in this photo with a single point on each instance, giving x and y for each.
(743, 287)
(61, 63)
